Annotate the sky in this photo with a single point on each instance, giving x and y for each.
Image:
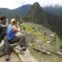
(12, 4)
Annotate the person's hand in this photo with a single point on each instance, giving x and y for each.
(18, 23)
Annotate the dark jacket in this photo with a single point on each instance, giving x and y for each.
(3, 29)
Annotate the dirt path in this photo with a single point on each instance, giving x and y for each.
(26, 56)
(13, 58)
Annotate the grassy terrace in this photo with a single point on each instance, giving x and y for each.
(53, 46)
(30, 29)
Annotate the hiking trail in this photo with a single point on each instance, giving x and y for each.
(25, 56)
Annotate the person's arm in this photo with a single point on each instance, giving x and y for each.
(15, 29)
(3, 26)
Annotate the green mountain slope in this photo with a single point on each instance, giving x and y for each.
(36, 32)
(20, 11)
(36, 14)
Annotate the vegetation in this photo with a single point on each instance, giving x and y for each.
(29, 29)
(41, 26)
(45, 58)
(36, 14)
(53, 46)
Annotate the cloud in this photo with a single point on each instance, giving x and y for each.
(9, 4)
(44, 2)
(16, 3)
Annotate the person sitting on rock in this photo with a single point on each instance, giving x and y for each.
(11, 38)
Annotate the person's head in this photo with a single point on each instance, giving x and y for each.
(3, 19)
(13, 21)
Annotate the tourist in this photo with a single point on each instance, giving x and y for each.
(11, 38)
(3, 27)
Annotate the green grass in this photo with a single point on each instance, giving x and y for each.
(29, 29)
(40, 57)
(52, 47)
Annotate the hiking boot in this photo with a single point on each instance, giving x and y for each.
(23, 48)
(18, 47)
(7, 57)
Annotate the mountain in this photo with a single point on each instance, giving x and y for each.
(21, 11)
(37, 14)
(6, 12)
(57, 10)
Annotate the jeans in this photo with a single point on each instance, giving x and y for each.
(2, 36)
